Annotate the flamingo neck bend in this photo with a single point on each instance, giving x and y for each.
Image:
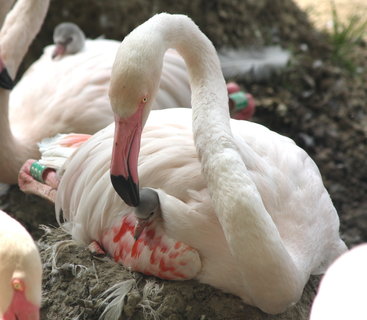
(20, 27)
(267, 269)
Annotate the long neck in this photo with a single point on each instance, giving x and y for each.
(19, 29)
(13, 151)
(249, 230)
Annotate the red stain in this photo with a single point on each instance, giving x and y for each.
(164, 267)
(179, 275)
(173, 255)
(150, 234)
(163, 254)
(125, 227)
(164, 249)
(153, 243)
(153, 256)
(137, 248)
(74, 140)
(122, 249)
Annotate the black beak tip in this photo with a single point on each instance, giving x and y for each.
(6, 82)
(126, 189)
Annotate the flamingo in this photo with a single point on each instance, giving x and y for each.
(20, 272)
(249, 201)
(342, 290)
(74, 85)
(64, 95)
(51, 93)
(68, 39)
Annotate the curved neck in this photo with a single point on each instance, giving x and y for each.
(20, 27)
(249, 230)
(13, 151)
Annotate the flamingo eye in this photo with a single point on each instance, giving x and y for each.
(145, 99)
(18, 285)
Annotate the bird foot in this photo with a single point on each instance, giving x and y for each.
(28, 184)
(95, 249)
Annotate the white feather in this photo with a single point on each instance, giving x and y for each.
(53, 154)
(255, 64)
(117, 293)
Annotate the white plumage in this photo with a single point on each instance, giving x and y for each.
(342, 291)
(286, 178)
(247, 199)
(65, 95)
(253, 64)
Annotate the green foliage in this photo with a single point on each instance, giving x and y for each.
(345, 36)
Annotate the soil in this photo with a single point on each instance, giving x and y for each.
(314, 101)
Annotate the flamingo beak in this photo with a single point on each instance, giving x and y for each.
(139, 227)
(59, 50)
(20, 315)
(20, 307)
(6, 82)
(125, 153)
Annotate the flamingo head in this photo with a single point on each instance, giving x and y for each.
(21, 306)
(146, 211)
(68, 39)
(134, 82)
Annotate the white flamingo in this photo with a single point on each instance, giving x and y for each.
(259, 216)
(20, 272)
(342, 291)
(67, 95)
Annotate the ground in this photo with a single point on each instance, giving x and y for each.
(315, 101)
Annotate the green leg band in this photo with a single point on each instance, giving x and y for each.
(37, 170)
(239, 100)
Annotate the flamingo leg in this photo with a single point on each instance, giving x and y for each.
(28, 184)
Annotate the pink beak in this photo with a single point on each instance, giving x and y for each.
(21, 309)
(125, 153)
(58, 51)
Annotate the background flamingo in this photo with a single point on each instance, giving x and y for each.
(261, 219)
(68, 39)
(76, 85)
(67, 95)
(20, 272)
